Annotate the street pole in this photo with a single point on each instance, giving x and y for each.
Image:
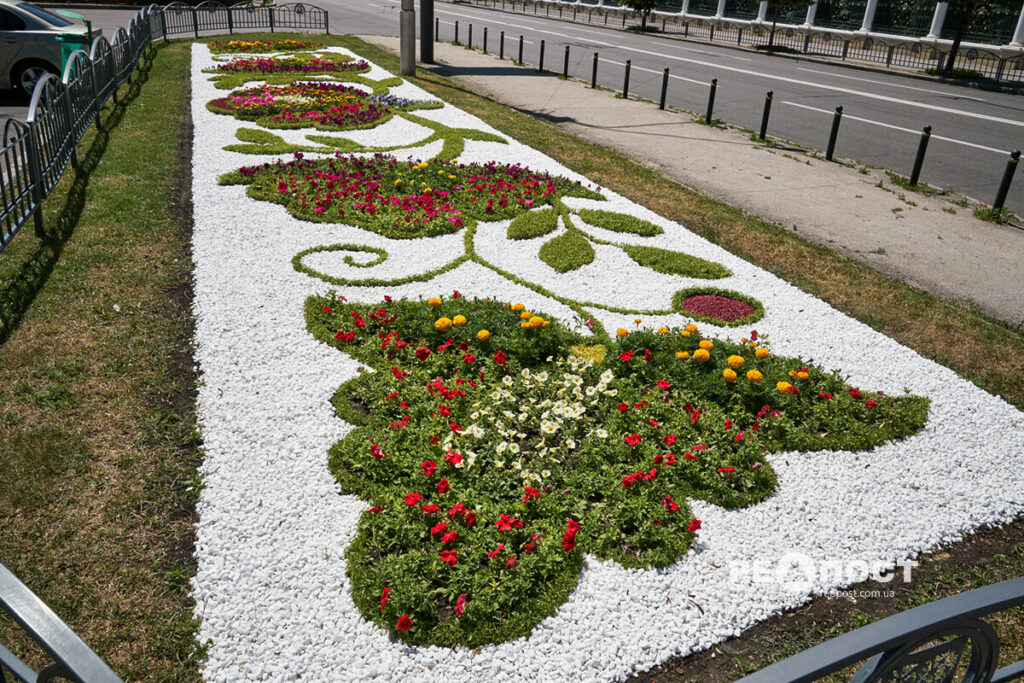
(427, 36)
(407, 38)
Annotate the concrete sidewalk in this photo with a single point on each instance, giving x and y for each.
(936, 245)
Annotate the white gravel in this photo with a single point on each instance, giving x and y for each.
(271, 588)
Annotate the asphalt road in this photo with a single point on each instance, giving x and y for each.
(972, 130)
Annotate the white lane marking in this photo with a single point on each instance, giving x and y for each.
(905, 130)
(894, 85)
(785, 79)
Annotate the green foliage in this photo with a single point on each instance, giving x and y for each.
(569, 251)
(533, 224)
(674, 262)
(510, 435)
(620, 222)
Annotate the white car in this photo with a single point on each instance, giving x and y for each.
(31, 39)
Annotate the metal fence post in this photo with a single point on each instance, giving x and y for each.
(711, 101)
(1004, 184)
(565, 64)
(664, 89)
(919, 160)
(837, 117)
(764, 115)
(270, 11)
(35, 176)
(195, 21)
(625, 81)
(593, 75)
(163, 25)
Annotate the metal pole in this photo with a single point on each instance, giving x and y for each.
(520, 50)
(456, 31)
(540, 67)
(764, 116)
(437, 29)
(565, 65)
(501, 46)
(593, 76)
(407, 38)
(711, 101)
(485, 40)
(469, 38)
(625, 81)
(837, 117)
(664, 89)
(428, 31)
(922, 146)
(1004, 184)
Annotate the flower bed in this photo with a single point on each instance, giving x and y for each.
(281, 70)
(292, 566)
(262, 46)
(325, 106)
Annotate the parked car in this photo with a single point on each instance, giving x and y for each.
(31, 39)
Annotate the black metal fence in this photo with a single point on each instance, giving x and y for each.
(35, 153)
(1004, 67)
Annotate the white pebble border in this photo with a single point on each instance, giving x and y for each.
(271, 588)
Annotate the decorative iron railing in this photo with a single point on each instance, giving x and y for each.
(35, 153)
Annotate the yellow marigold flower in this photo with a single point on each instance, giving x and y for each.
(706, 345)
(684, 333)
(729, 374)
(546, 323)
(525, 324)
(536, 321)
(525, 315)
(621, 332)
(459, 320)
(802, 375)
(735, 362)
(483, 335)
(792, 373)
(691, 328)
(783, 386)
(398, 182)
(427, 191)
(702, 355)
(754, 375)
(682, 355)
(442, 324)
(434, 302)
(761, 352)
(518, 307)
(662, 330)
(637, 320)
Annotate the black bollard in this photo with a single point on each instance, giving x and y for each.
(764, 116)
(1004, 184)
(437, 28)
(664, 89)
(485, 40)
(501, 46)
(837, 117)
(593, 75)
(456, 31)
(625, 81)
(565, 65)
(469, 39)
(711, 100)
(520, 50)
(919, 160)
(540, 67)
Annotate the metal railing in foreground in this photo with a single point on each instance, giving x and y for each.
(945, 640)
(72, 658)
(35, 153)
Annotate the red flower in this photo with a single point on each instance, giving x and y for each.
(870, 403)
(694, 525)
(444, 411)
(453, 458)
(449, 537)
(669, 504)
(454, 426)
(376, 452)
(512, 563)
(827, 397)
(670, 440)
(626, 356)
(531, 545)
(662, 384)
(422, 353)
(460, 604)
(530, 493)
(429, 467)
(399, 375)
(500, 358)
(429, 509)
(505, 523)
(469, 518)
(457, 509)
(654, 423)
(497, 551)
(726, 470)
(434, 440)
(375, 510)
(469, 358)
(728, 424)
(442, 486)
(404, 623)
(855, 393)
(449, 557)
(344, 336)
(326, 309)
(411, 499)
(753, 335)
(569, 541)
(456, 295)
(384, 598)
(572, 526)
(438, 528)
(632, 439)
(647, 355)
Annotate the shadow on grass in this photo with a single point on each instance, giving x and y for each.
(17, 295)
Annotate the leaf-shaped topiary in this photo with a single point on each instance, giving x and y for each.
(493, 456)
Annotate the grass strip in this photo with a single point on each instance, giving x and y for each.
(97, 389)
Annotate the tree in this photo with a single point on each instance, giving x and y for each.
(644, 7)
(965, 11)
(775, 5)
